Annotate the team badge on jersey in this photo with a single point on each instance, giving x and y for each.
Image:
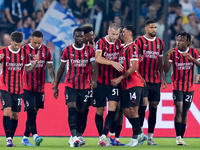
(3, 102)
(66, 96)
(27, 103)
(94, 102)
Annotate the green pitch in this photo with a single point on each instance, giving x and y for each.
(61, 143)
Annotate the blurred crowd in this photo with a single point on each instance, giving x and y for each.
(182, 15)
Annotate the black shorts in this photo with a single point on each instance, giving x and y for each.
(105, 92)
(80, 96)
(90, 99)
(152, 91)
(185, 97)
(11, 100)
(33, 100)
(131, 97)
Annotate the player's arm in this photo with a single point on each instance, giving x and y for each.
(60, 72)
(131, 70)
(51, 72)
(94, 74)
(29, 67)
(161, 71)
(167, 63)
(101, 60)
(195, 61)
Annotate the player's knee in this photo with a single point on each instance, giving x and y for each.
(153, 104)
(112, 106)
(7, 111)
(100, 111)
(127, 113)
(71, 104)
(145, 101)
(134, 112)
(15, 115)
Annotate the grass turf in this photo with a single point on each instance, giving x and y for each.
(51, 143)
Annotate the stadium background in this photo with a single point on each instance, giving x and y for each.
(171, 16)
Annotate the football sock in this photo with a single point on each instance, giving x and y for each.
(183, 127)
(72, 120)
(31, 121)
(135, 122)
(99, 123)
(141, 111)
(7, 125)
(84, 119)
(27, 130)
(118, 129)
(109, 121)
(178, 126)
(152, 119)
(13, 128)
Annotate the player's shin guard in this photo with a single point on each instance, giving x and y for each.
(99, 123)
(112, 129)
(118, 129)
(27, 130)
(7, 125)
(79, 117)
(183, 130)
(178, 126)
(141, 113)
(109, 121)
(31, 121)
(72, 120)
(152, 119)
(13, 128)
(135, 122)
(84, 119)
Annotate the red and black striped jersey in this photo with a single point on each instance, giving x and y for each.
(78, 59)
(183, 70)
(13, 64)
(150, 50)
(128, 53)
(35, 81)
(110, 51)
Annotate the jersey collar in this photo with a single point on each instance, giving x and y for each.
(127, 44)
(184, 51)
(108, 41)
(33, 47)
(78, 48)
(149, 39)
(15, 52)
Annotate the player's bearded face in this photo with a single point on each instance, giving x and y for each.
(181, 43)
(15, 46)
(91, 37)
(113, 34)
(36, 42)
(151, 29)
(78, 37)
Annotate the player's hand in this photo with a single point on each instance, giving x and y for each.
(1, 56)
(144, 82)
(170, 51)
(198, 78)
(117, 66)
(93, 84)
(164, 84)
(188, 56)
(94, 45)
(53, 83)
(55, 92)
(116, 81)
(36, 57)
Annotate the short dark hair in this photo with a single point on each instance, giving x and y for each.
(25, 18)
(78, 30)
(187, 36)
(178, 5)
(189, 15)
(17, 37)
(149, 21)
(87, 29)
(132, 29)
(37, 34)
